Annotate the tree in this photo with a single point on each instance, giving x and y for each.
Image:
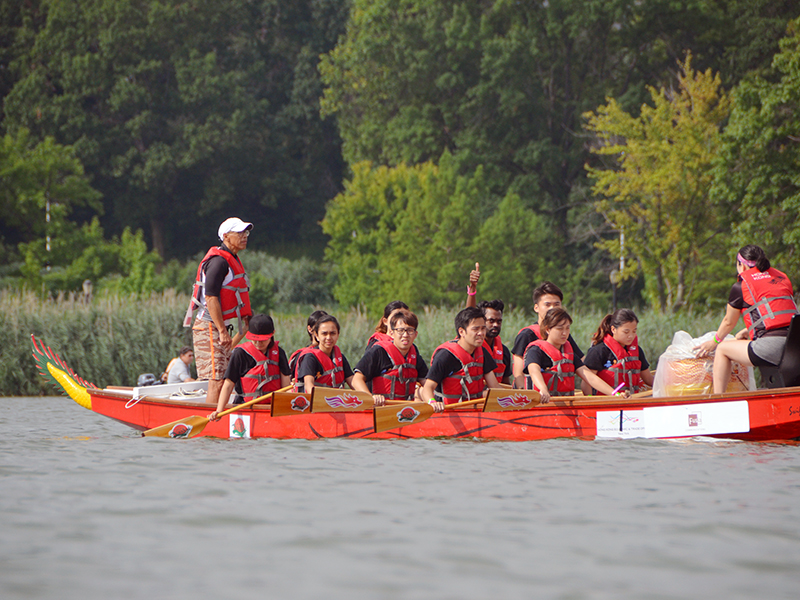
(656, 188)
(122, 265)
(186, 113)
(403, 232)
(414, 233)
(504, 84)
(759, 162)
(43, 184)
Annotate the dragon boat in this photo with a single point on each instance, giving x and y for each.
(515, 415)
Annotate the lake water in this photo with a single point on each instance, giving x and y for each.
(91, 510)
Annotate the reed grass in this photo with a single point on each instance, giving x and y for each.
(113, 339)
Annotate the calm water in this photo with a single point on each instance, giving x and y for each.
(91, 510)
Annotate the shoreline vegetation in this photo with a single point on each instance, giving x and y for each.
(112, 339)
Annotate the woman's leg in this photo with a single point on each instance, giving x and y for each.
(724, 354)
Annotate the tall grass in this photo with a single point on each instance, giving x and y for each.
(113, 339)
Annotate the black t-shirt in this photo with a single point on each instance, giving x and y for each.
(241, 362)
(377, 361)
(445, 363)
(540, 357)
(600, 357)
(526, 336)
(310, 365)
(736, 300)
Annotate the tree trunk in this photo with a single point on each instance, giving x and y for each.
(157, 231)
(680, 294)
(661, 288)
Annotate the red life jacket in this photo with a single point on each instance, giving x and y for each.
(534, 328)
(467, 383)
(770, 297)
(628, 367)
(234, 295)
(265, 376)
(398, 383)
(378, 336)
(332, 368)
(496, 350)
(559, 378)
(294, 363)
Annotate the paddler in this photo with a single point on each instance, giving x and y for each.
(393, 368)
(493, 313)
(313, 342)
(616, 356)
(764, 297)
(461, 369)
(381, 329)
(221, 295)
(257, 367)
(325, 365)
(545, 297)
(551, 363)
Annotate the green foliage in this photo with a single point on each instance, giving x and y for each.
(759, 162)
(511, 248)
(656, 189)
(121, 265)
(43, 183)
(113, 339)
(503, 84)
(279, 282)
(185, 113)
(108, 341)
(414, 233)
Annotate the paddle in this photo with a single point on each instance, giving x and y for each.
(194, 425)
(499, 399)
(391, 417)
(322, 399)
(325, 399)
(290, 403)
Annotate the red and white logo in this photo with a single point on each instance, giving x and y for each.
(407, 415)
(180, 430)
(300, 404)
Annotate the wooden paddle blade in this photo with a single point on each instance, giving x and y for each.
(338, 400)
(391, 417)
(185, 428)
(501, 400)
(290, 403)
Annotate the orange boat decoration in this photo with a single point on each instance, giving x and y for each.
(509, 415)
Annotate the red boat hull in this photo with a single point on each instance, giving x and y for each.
(771, 414)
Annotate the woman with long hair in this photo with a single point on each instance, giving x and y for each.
(764, 297)
(616, 356)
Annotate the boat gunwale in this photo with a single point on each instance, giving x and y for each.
(556, 402)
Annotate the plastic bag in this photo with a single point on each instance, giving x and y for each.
(680, 373)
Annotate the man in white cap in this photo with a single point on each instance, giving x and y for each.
(221, 295)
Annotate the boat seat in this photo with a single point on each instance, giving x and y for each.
(787, 373)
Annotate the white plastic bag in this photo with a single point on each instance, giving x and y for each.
(680, 373)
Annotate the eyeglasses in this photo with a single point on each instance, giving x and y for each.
(245, 233)
(401, 331)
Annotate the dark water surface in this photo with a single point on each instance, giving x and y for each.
(91, 510)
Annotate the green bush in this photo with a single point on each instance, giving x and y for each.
(114, 338)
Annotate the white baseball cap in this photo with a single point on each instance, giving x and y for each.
(234, 224)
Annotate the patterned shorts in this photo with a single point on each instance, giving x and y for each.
(210, 358)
